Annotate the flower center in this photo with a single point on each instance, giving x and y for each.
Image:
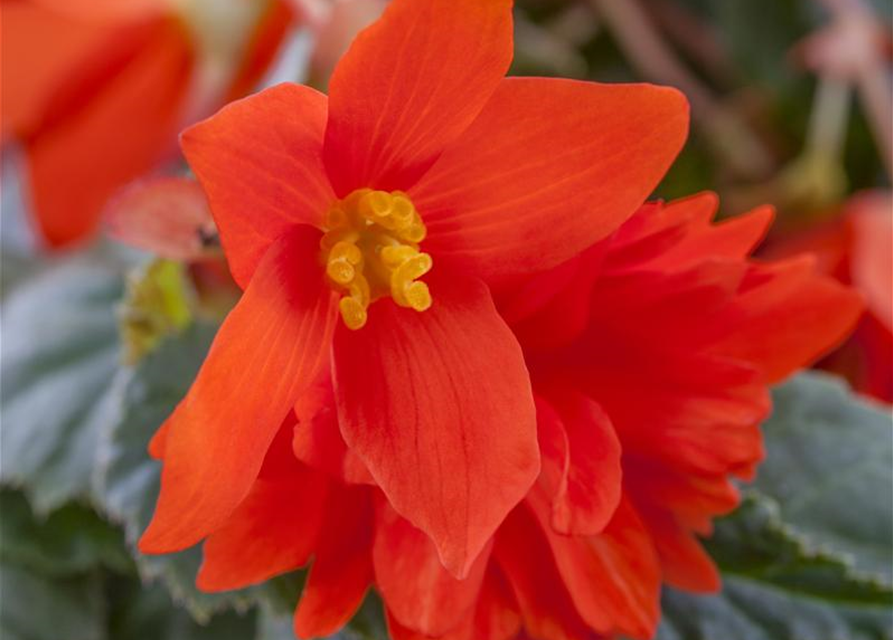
(371, 250)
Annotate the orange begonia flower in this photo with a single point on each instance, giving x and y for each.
(424, 162)
(96, 91)
(651, 356)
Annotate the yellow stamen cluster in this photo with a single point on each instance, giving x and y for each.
(371, 250)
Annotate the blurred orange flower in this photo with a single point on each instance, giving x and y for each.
(424, 162)
(96, 91)
(856, 247)
(650, 356)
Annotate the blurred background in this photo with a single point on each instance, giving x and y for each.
(113, 283)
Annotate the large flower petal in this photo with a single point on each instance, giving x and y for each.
(342, 570)
(420, 593)
(411, 84)
(438, 405)
(266, 353)
(548, 168)
(259, 160)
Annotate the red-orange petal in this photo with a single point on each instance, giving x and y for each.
(524, 557)
(273, 530)
(549, 167)
(416, 588)
(613, 578)
(342, 572)
(589, 490)
(786, 316)
(259, 160)
(267, 352)
(683, 560)
(495, 617)
(439, 407)
(411, 84)
(317, 439)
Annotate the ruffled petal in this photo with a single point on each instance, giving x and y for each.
(273, 530)
(411, 84)
(589, 488)
(342, 571)
(495, 617)
(317, 438)
(683, 560)
(416, 588)
(525, 559)
(259, 160)
(786, 316)
(613, 578)
(267, 352)
(439, 407)
(548, 168)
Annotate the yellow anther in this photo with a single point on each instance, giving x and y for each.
(359, 290)
(396, 255)
(341, 271)
(414, 268)
(371, 250)
(375, 205)
(347, 251)
(352, 312)
(414, 233)
(418, 296)
(402, 211)
(404, 276)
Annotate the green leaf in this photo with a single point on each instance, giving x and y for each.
(777, 587)
(60, 353)
(50, 572)
(71, 540)
(808, 554)
(146, 611)
(36, 606)
(830, 466)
